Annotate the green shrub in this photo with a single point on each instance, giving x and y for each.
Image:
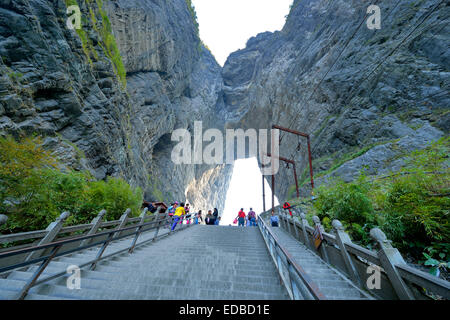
(115, 196)
(411, 206)
(349, 203)
(34, 193)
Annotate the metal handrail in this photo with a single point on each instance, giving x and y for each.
(57, 245)
(39, 234)
(293, 268)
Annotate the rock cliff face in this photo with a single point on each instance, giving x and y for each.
(68, 86)
(108, 96)
(363, 95)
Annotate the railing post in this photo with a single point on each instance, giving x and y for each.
(23, 293)
(123, 221)
(52, 231)
(282, 218)
(96, 223)
(102, 250)
(389, 257)
(322, 249)
(138, 230)
(342, 238)
(294, 224)
(3, 219)
(158, 223)
(305, 223)
(288, 223)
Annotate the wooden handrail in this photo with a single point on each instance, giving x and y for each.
(406, 272)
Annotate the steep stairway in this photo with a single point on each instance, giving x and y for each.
(199, 263)
(333, 284)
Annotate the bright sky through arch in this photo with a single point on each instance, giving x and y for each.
(245, 191)
(226, 25)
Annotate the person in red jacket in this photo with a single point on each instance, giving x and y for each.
(287, 206)
(241, 217)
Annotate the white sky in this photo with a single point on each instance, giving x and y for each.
(226, 25)
(245, 191)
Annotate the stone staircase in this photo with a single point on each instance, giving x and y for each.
(199, 263)
(333, 284)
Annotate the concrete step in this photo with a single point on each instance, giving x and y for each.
(141, 292)
(233, 264)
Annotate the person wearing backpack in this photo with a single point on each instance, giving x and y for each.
(198, 217)
(171, 212)
(188, 216)
(274, 219)
(252, 217)
(287, 206)
(209, 218)
(151, 206)
(179, 213)
(241, 218)
(215, 215)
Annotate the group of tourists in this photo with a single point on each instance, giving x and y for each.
(212, 218)
(181, 211)
(246, 220)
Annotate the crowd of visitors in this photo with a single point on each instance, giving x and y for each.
(180, 213)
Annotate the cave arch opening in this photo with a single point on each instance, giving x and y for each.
(245, 191)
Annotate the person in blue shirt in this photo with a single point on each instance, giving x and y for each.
(217, 222)
(274, 219)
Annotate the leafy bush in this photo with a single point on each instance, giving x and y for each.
(411, 206)
(416, 206)
(34, 193)
(349, 203)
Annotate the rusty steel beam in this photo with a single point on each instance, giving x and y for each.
(282, 159)
(298, 133)
(264, 195)
(273, 192)
(295, 172)
(305, 135)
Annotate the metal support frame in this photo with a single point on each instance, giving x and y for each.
(96, 223)
(273, 192)
(37, 273)
(305, 135)
(52, 232)
(158, 223)
(295, 172)
(264, 194)
(138, 230)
